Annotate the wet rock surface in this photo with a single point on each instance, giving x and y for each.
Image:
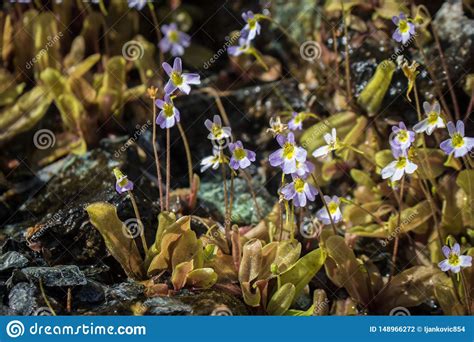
(244, 211)
(11, 260)
(68, 275)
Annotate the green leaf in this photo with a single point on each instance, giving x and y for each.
(411, 218)
(251, 263)
(250, 298)
(180, 274)
(301, 273)
(203, 278)
(345, 270)
(103, 217)
(465, 181)
(430, 162)
(28, 110)
(409, 288)
(313, 137)
(372, 96)
(281, 300)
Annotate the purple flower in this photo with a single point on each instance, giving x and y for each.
(454, 260)
(169, 114)
(241, 157)
(397, 168)
(178, 79)
(296, 122)
(288, 154)
(217, 132)
(174, 40)
(405, 29)
(213, 161)
(332, 144)
(303, 169)
(333, 206)
(299, 191)
(459, 144)
(252, 27)
(237, 50)
(432, 121)
(122, 183)
(137, 4)
(401, 138)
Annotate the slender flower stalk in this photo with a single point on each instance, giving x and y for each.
(152, 92)
(188, 153)
(124, 185)
(333, 225)
(168, 169)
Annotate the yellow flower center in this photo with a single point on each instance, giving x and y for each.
(403, 26)
(332, 206)
(299, 185)
(457, 140)
(288, 150)
(432, 118)
(401, 162)
(168, 110)
(239, 153)
(122, 182)
(173, 36)
(252, 23)
(454, 259)
(217, 131)
(299, 118)
(402, 136)
(176, 78)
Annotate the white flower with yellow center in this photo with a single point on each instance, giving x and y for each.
(433, 119)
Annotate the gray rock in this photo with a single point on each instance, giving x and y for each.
(12, 260)
(22, 299)
(243, 212)
(165, 306)
(68, 275)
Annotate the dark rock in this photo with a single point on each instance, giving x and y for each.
(22, 299)
(68, 275)
(166, 306)
(64, 232)
(208, 302)
(91, 293)
(11, 260)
